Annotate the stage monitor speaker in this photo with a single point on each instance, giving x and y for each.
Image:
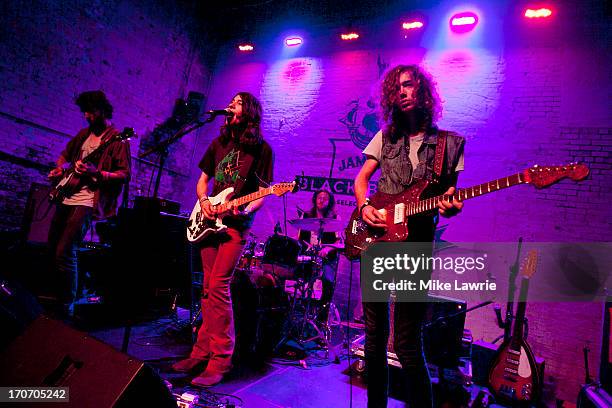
(51, 354)
(18, 308)
(37, 215)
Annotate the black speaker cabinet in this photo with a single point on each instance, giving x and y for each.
(37, 215)
(51, 354)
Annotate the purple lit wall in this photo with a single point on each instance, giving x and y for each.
(143, 56)
(520, 92)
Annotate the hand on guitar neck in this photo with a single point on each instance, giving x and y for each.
(450, 208)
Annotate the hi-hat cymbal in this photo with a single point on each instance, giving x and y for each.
(318, 224)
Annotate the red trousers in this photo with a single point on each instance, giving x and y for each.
(216, 337)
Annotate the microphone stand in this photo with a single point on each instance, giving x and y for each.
(162, 147)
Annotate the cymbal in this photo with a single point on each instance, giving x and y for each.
(316, 224)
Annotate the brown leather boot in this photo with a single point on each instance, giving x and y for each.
(190, 365)
(207, 379)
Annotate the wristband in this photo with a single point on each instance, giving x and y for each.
(203, 199)
(364, 205)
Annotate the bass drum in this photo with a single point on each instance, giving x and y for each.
(280, 256)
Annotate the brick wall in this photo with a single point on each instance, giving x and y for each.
(143, 55)
(521, 92)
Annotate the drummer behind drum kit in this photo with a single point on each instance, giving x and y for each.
(286, 263)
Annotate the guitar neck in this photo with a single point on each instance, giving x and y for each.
(520, 310)
(247, 198)
(465, 193)
(95, 155)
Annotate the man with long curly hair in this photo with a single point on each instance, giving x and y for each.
(404, 150)
(238, 158)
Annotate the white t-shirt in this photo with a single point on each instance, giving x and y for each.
(85, 196)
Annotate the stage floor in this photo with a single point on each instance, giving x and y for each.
(276, 383)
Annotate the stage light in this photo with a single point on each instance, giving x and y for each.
(463, 22)
(293, 41)
(538, 13)
(349, 36)
(411, 25)
(246, 47)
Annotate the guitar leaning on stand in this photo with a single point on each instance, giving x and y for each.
(396, 208)
(199, 227)
(514, 375)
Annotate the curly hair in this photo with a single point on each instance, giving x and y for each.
(427, 99)
(328, 211)
(249, 127)
(91, 101)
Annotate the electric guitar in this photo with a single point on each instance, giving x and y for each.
(71, 182)
(199, 227)
(396, 208)
(514, 375)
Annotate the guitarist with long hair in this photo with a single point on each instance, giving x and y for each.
(238, 158)
(97, 187)
(405, 150)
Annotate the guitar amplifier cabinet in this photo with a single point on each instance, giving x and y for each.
(443, 342)
(37, 215)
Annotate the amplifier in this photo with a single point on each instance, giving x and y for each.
(444, 340)
(142, 203)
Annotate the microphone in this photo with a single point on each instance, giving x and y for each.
(223, 112)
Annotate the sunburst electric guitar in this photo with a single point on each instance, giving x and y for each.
(199, 227)
(514, 375)
(396, 208)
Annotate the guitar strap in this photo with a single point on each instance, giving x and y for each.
(439, 157)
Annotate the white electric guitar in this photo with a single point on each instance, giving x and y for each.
(199, 227)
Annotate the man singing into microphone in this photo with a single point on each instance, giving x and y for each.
(238, 158)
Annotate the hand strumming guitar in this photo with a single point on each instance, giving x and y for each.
(373, 217)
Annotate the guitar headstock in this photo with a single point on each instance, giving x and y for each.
(544, 176)
(530, 264)
(281, 188)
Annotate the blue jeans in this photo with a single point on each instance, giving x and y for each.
(68, 228)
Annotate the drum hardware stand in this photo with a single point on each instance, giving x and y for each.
(304, 287)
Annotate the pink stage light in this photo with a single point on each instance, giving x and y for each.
(349, 36)
(538, 13)
(463, 22)
(411, 25)
(246, 47)
(293, 41)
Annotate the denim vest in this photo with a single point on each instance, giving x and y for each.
(397, 173)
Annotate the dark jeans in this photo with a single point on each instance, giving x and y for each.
(407, 321)
(67, 230)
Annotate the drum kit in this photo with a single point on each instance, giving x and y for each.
(295, 268)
